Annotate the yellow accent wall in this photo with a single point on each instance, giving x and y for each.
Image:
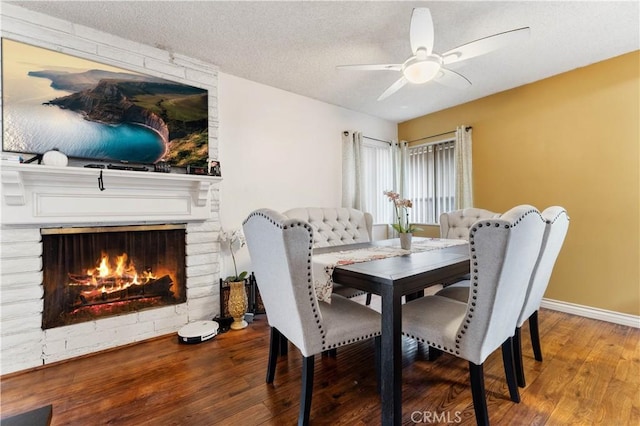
(570, 140)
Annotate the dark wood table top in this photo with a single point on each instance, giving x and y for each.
(408, 273)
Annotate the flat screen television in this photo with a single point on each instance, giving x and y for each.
(93, 111)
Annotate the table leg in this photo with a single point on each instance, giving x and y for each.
(391, 357)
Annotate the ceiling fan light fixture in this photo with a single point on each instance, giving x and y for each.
(421, 71)
(426, 65)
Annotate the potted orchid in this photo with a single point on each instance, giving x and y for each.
(235, 240)
(238, 301)
(402, 224)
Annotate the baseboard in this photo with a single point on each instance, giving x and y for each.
(589, 312)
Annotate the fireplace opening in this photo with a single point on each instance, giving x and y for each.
(90, 273)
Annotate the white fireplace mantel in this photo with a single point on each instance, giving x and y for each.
(39, 194)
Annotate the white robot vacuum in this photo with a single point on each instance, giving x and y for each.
(198, 332)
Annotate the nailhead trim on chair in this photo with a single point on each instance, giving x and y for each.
(563, 212)
(348, 341)
(312, 299)
(420, 339)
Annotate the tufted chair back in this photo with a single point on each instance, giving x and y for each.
(456, 224)
(503, 254)
(280, 250)
(556, 229)
(335, 226)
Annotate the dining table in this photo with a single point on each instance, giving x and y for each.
(430, 261)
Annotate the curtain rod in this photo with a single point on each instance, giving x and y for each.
(379, 140)
(370, 138)
(439, 134)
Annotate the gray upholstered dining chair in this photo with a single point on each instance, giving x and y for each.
(503, 254)
(281, 252)
(557, 225)
(456, 225)
(335, 226)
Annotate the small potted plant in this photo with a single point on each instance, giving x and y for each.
(402, 224)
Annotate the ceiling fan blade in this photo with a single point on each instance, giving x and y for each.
(485, 45)
(421, 30)
(452, 79)
(372, 67)
(393, 88)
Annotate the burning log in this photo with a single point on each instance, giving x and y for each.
(87, 295)
(92, 281)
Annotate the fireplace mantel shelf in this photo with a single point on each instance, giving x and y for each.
(39, 194)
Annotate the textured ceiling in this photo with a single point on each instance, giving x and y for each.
(296, 46)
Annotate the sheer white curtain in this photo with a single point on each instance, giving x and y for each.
(400, 163)
(464, 170)
(368, 169)
(352, 194)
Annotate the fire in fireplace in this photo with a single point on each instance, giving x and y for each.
(89, 273)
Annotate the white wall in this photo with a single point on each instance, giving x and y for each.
(281, 150)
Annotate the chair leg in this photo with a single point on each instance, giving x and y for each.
(509, 369)
(517, 357)
(478, 394)
(535, 336)
(307, 390)
(284, 345)
(368, 300)
(274, 347)
(330, 353)
(434, 353)
(378, 362)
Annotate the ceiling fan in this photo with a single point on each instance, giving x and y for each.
(426, 65)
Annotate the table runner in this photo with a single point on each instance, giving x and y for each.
(325, 263)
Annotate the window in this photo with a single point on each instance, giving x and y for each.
(430, 180)
(377, 176)
(426, 174)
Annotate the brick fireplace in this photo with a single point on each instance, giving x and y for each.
(36, 197)
(42, 202)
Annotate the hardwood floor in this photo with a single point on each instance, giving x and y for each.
(590, 375)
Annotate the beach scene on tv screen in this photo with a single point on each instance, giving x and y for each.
(89, 110)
